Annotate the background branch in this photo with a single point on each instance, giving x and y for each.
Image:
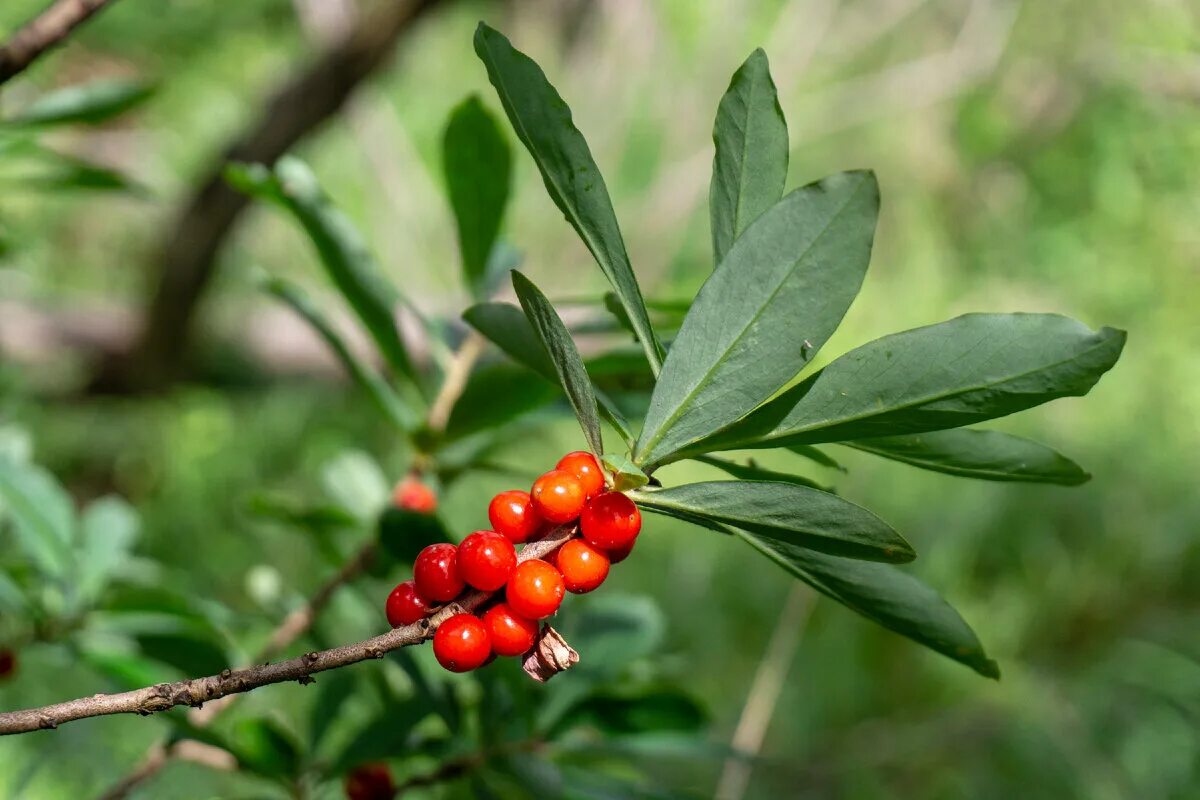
(43, 33)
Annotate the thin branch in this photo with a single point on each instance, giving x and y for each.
(43, 33)
(197, 691)
(455, 381)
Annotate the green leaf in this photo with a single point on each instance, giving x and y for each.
(262, 746)
(764, 312)
(971, 368)
(341, 248)
(86, 103)
(886, 595)
(332, 693)
(357, 483)
(387, 736)
(495, 395)
(633, 711)
(789, 516)
(751, 160)
(542, 120)
(556, 341)
(387, 400)
(817, 456)
(42, 513)
(753, 472)
(989, 455)
(109, 527)
(477, 162)
(404, 534)
(626, 474)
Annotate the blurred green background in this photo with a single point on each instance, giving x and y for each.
(1032, 156)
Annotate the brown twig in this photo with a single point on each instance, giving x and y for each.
(197, 691)
(43, 33)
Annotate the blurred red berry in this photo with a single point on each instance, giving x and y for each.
(512, 634)
(512, 514)
(535, 590)
(461, 643)
(611, 521)
(435, 573)
(8, 663)
(405, 606)
(583, 567)
(413, 495)
(485, 560)
(583, 465)
(558, 496)
(370, 782)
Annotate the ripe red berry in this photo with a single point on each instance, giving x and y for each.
(583, 567)
(558, 496)
(405, 606)
(370, 782)
(512, 634)
(461, 643)
(611, 521)
(413, 495)
(619, 554)
(583, 465)
(485, 560)
(435, 573)
(535, 590)
(512, 514)
(8, 663)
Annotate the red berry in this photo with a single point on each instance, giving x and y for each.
(619, 554)
(370, 782)
(512, 514)
(405, 606)
(611, 521)
(583, 567)
(583, 465)
(535, 590)
(436, 574)
(8, 663)
(512, 635)
(461, 643)
(558, 496)
(413, 495)
(485, 560)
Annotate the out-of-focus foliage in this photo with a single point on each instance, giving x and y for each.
(1061, 177)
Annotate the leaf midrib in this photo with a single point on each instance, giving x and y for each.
(954, 470)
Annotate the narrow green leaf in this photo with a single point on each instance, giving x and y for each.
(632, 711)
(817, 456)
(341, 248)
(477, 162)
(787, 515)
(626, 474)
(751, 160)
(753, 472)
(885, 595)
(393, 407)
(556, 340)
(779, 293)
(86, 103)
(542, 121)
(988, 455)
(42, 513)
(972, 368)
(505, 326)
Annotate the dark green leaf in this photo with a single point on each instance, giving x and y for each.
(87, 103)
(193, 650)
(764, 313)
(886, 595)
(393, 407)
(333, 690)
(403, 533)
(496, 395)
(972, 368)
(316, 519)
(341, 248)
(751, 160)
(386, 736)
(42, 513)
(542, 120)
(75, 174)
(753, 472)
(790, 516)
(559, 346)
(989, 455)
(127, 670)
(477, 162)
(645, 710)
(263, 747)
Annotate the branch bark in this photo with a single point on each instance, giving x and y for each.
(187, 259)
(197, 691)
(43, 33)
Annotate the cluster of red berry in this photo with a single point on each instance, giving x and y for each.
(533, 589)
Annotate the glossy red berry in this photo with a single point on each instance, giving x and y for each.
(512, 514)
(485, 560)
(535, 590)
(8, 663)
(583, 465)
(583, 567)
(413, 495)
(512, 634)
(558, 496)
(619, 554)
(370, 782)
(405, 606)
(461, 643)
(435, 573)
(611, 521)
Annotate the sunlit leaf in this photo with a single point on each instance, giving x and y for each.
(84, 103)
